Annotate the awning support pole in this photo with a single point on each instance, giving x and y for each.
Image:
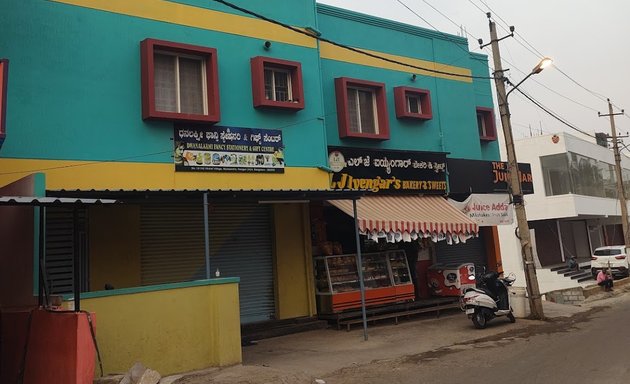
(77, 260)
(206, 234)
(40, 259)
(360, 268)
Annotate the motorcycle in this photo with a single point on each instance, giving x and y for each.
(489, 299)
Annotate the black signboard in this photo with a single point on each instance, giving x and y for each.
(387, 172)
(228, 149)
(480, 176)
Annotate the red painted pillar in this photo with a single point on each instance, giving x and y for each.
(60, 349)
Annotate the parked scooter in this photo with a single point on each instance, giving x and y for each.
(489, 299)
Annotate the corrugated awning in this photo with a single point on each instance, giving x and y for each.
(224, 195)
(46, 200)
(419, 214)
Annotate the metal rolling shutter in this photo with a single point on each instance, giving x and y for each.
(171, 243)
(240, 245)
(474, 251)
(58, 261)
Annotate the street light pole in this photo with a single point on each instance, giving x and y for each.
(620, 189)
(531, 280)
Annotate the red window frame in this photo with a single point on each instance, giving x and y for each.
(149, 111)
(343, 118)
(258, 65)
(400, 102)
(4, 78)
(491, 129)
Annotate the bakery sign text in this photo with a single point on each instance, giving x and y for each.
(387, 171)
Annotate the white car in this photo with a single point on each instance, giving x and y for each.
(614, 257)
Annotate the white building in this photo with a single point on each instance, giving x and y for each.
(574, 208)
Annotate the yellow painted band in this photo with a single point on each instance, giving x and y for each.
(202, 18)
(61, 174)
(333, 52)
(207, 19)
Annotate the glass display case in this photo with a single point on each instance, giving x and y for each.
(336, 274)
(400, 268)
(386, 278)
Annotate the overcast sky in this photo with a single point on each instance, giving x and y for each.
(588, 41)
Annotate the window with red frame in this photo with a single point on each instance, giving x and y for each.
(413, 103)
(179, 82)
(361, 109)
(4, 77)
(485, 124)
(277, 83)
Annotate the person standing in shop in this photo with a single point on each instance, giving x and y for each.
(411, 252)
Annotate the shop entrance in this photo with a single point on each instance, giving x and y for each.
(172, 249)
(473, 251)
(240, 245)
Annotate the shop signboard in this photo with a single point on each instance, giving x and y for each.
(387, 171)
(480, 176)
(228, 149)
(487, 209)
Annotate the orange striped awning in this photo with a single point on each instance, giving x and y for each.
(420, 214)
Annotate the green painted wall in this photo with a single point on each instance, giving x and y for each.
(74, 87)
(453, 128)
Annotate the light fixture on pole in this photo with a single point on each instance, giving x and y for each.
(523, 235)
(542, 64)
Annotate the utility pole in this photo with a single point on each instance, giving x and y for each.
(533, 291)
(620, 190)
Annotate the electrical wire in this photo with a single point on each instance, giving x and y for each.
(417, 14)
(466, 51)
(343, 46)
(123, 159)
(476, 6)
(539, 105)
(539, 55)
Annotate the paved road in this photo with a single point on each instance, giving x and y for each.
(593, 347)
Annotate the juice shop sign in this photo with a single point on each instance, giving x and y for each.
(501, 173)
(487, 209)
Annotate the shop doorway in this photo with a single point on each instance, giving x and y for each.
(241, 245)
(473, 251)
(172, 250)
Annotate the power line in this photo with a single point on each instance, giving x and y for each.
(531, 99)
(415, 13)
(356, 50)
(537, 53)
(552, 114)
(551, 89)
(514, 66)
(476, 6)
(123, 159)
(466, 51)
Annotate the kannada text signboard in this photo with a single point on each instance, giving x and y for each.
(228, 149)
(386, 171)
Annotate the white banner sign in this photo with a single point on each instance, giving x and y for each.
(487, 209)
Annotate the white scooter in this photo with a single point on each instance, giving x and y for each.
(489, 299)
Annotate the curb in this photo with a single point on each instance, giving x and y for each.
(596, 289)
